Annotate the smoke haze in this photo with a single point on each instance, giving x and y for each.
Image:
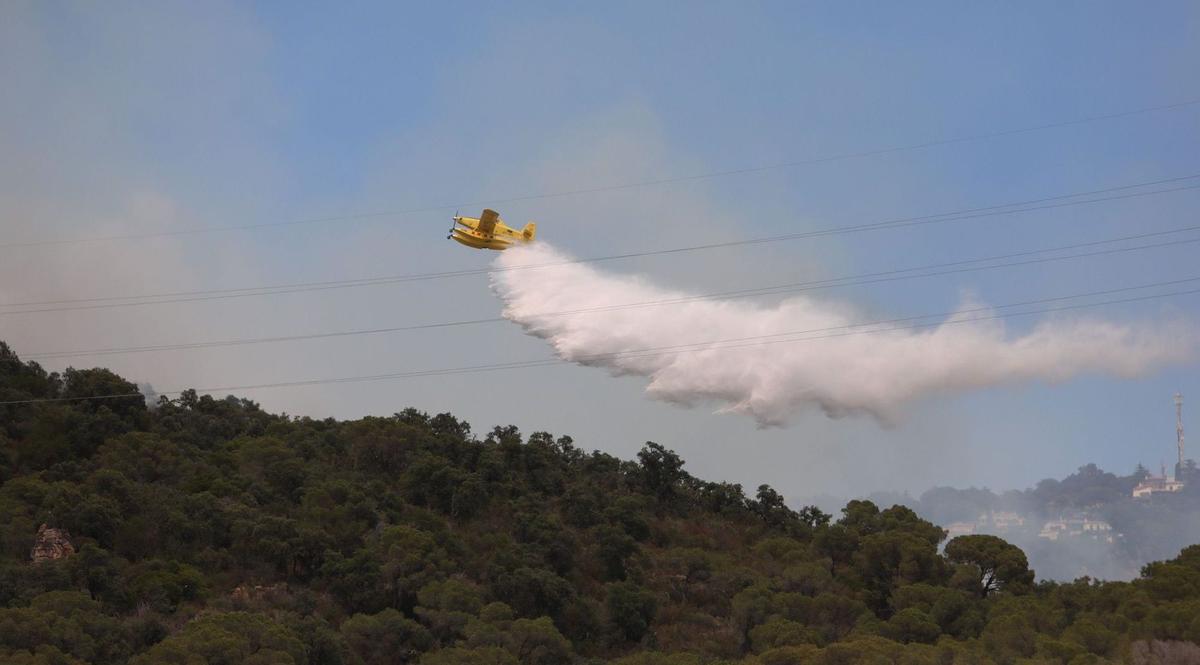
(841, 374)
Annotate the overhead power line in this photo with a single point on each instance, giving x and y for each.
(931, 270)
(863, 328)
(903, 322)
(614, 187)
(1115, 193)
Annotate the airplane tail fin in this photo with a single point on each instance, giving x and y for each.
(529, 231)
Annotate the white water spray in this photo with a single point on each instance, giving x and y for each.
(770, 376)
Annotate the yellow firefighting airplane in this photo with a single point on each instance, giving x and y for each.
(489, 231)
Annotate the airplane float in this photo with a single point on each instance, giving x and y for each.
(489, 231)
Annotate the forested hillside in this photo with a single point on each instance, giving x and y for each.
(1142, 529)
(207, 531)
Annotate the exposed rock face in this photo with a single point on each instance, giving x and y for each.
(245, 593)
(1159, 652)
(51, 544)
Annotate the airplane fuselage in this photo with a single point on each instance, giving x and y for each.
(472, 238)
(488, 231)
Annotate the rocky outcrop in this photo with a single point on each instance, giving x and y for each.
(245, 593)
(1159, 652)
(51, 544)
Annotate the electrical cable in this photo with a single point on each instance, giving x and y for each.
(971, 213)
(952, 267)
(756, 340)
(615, 187)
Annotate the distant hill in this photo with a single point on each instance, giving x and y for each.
(1079, 507)
(205, 530)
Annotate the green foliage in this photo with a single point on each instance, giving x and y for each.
(1010, 636)
(478, 656)
(780, 632)
(533, 592)
(208, 531)
(226, 639)
(913, 625)
(447, 607)
(613, 548)
(997, 564)
(1176, 579)
(654, 658)
(69, 621)
(538, 642)
(162, 585)
(662, 471)
(385, 638)
(630, 609)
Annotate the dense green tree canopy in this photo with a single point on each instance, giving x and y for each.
(207, 531)
(997, 564)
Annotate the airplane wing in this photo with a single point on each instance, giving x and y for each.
(487, 221)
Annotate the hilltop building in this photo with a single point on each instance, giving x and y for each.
(1156, 485)
(1185, 469)
(1077, 526)
(994, 522)
(1005, 520)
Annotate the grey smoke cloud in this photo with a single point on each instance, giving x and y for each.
(872, 374)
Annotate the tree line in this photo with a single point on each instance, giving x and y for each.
(209, 531)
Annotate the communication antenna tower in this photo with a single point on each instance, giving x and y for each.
(1179, 426)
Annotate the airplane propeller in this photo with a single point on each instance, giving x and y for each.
(453, 223)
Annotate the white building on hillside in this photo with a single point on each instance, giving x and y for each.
(1156, 484)
(1076, 526)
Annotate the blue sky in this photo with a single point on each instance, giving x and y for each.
(132, 117)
